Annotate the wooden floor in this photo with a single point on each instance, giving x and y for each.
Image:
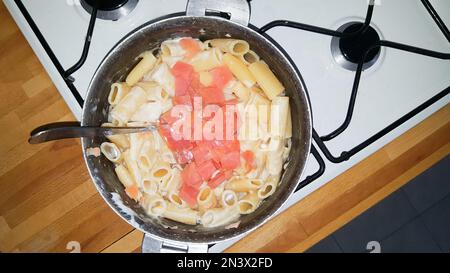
(48, 200)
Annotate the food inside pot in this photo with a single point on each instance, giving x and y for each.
(224, 135)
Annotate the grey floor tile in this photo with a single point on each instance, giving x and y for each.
(413, 237)
(430, 186)
(327, 245)
(437, 219)
(376, 223)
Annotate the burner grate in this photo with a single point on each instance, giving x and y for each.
(369, 52)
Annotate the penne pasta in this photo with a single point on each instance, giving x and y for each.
(136, 142)
(123, 111)
(111, 151)
(147, 156)
(269, 83)
(162, 75)
(243, 184)
(172, 184)
(219, 216)
(124, 176)
(154, 91)
(161, 172)
(268, 188)
(171, 60)
(132, 167)
(155, 205)
(233, 46)
(147, 62)
(121, 141)
(172, 48)
(275, 161)
(206, 60)
(206, 199)
(183, 215)
(176, 200)
(249, 57)
(118, 91)
(148, 112)
(279, 112)
(239, 70)
(249, 203)
(149, 185)
(228, 198)
(241, 91)
(219, 190)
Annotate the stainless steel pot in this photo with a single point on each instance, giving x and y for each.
(164, 234)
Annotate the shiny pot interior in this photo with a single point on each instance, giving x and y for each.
(116, 66)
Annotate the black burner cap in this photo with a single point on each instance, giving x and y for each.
(106, 4)
(353, 48)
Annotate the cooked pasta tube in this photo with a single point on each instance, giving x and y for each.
(154, 91)
(147, 62)
(161, 172)
(279, 112)
(129, 104)
(154, 204)
(249, 57)
(118, 91)
(183, 215)
(172, 48)
(269, 83)
(241, 91)
(274, 162)
(206, 199)
(172, 184)
(262, 110)
(233, 46)
(132, 166)
(219, 216)
(148, 112)
(243, 184)
(228, 198)
(149, 185)
(120, 140)
(249, 203)
(124, 176)
(206, 60)
(111, 151)
(176, 200)
(219, 190)
(239, 70)
(162, 75)
(136, 142)
(171, 60)
(268, 188)
(147, 156)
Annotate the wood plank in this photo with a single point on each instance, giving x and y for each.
(129, 243)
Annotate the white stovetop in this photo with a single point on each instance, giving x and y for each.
(396, 84)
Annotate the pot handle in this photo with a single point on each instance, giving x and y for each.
(238, 10)
(151, 245)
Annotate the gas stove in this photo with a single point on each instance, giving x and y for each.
(373, 69)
